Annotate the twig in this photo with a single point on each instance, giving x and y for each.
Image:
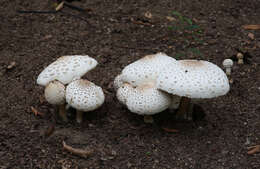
(253, 149)
(36, 12)
(78, 152)
(251, 27)
(36, 112)
(170, 130)
(59, 6)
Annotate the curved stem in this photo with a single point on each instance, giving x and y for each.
(62, 113)
(184, 107)
(79, 116)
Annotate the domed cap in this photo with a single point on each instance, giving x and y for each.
(147, 100)
(145, 69)
(123, 92)
(193, 79)
(84, 95)
(55, 93)
(66, 69)
(118, 82)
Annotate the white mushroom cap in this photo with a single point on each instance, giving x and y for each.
(118, 82)
(55, 93)
(66, 69)
(147, 100)
(227, 63)
(193, 79)
(123, 92)
(84, 95)
(145, 69)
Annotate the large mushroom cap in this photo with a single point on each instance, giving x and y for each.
(84, 95)
(147, 100)
(66, 69)
(193, 79)
(55, 93)
(145, 70)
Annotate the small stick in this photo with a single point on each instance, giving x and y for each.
(36, 112)
(170, 130)
(78, 152)
(59, 6)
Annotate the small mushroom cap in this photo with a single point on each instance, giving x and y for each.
(147, 100)
(55, 93)
(145, 69)
(240, 55)
(193, 79)
(123, 92)
(84, 95)
(227, 63)
(118, 82)
(66, 69)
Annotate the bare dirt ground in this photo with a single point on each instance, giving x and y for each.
(117, 33)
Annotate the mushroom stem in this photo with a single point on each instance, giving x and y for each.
(79, 116)
(62, 112)
(148, 119)
(228, 71)
(184, 107)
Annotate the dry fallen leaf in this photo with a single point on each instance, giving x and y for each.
(11, 65)
(251, 36)
(148, 15)
(170, 130)
(170, 18)
(76, 151)
(59, 6)
(251, 27)
(253, 149)
(36, 112)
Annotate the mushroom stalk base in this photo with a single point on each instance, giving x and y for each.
(148, 119)
(62, 113)
(79, 116)
(184, 108)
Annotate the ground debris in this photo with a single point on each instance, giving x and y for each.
(78, 152)
(253, 149)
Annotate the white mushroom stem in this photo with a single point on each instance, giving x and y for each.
(228, 71)
(79, 117)
(184, 106)
(148, 119)
(240, 58)
(62, 112)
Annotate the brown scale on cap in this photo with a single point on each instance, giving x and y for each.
(191, 63)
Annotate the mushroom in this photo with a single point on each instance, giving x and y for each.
(146, 100)
(145, 70)
(240, 58)
(228, 63)
(66, 69)
(84, 96)
(192, 79)
(55, 94)
(137, 80)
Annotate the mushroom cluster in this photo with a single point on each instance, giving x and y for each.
(157, 82)
(79, 93)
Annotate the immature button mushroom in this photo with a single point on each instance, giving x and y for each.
(84, 96)
(66, 69)
(192, 79)
(55, 94)
(145, 69)
(146, 100)
(228, 63)
(240, 58)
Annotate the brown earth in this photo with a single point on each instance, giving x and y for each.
(117, 33)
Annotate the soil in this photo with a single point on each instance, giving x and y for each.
(117, 33)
